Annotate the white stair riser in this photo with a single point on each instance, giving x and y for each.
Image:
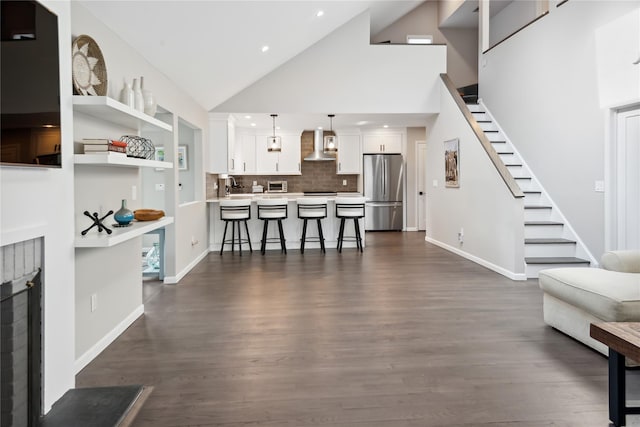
(488, 126)
(525, 184)
(532, 198)
(549, 250)
(542, 231)
(506, 158)
(517, 171)
(537, 214)
(475, 107)
(480, 116)
(495, 136)
(532, 270)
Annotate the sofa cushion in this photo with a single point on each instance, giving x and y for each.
(609, 295)
(623, 261)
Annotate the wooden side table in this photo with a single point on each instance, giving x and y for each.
(623, 340)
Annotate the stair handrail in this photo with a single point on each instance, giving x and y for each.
(508, 179)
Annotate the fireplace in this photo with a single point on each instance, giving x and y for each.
(21, 334)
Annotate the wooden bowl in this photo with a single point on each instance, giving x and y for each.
(148, 214)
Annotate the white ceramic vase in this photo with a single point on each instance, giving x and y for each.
(150, 105)
(138, 100)
(126, 95)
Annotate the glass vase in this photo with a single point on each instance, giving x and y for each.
(123, 216)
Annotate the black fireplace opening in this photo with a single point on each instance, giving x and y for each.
(21, 351)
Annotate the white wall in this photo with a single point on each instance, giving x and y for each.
(542, 87)
(483, 206)
(122, 286)
(39, 202)
(343, 73)
(511, 19)
(462, 44)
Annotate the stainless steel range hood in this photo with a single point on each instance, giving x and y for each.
(318, 154)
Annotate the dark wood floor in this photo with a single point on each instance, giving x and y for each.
(405, 334)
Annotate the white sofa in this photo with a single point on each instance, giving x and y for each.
(576, 297)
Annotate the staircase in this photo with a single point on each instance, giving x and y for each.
(550, 241)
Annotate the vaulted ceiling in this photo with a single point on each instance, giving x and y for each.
(214, 49)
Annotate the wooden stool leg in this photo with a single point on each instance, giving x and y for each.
(321, 236)
(224, 235)
(304, 235)
(263, 244)
(246, 227)
(283, 242)
(358, 237)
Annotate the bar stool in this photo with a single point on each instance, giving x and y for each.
(312, 208)
(235, 211)
(272, 210)
(347, 208)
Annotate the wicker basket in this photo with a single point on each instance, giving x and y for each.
(148, 214)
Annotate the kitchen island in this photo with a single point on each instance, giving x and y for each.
(292, 225)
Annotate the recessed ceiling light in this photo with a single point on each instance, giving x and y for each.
(278, 127)
(265, 48)
(385, 126)
(320, 13)
(253, 125)
(362, 123)
(247, 117)
(320, 127)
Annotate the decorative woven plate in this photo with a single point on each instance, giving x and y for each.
(88, 68)
(148, 214)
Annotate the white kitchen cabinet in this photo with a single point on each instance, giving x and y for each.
(382, 143)
(349, 160)
(245, 154)
(222, 144)
(285, 162)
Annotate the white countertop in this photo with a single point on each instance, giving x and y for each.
(290, 196)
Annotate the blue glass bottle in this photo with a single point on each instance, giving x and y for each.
(123, 216)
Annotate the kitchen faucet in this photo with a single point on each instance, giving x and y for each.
(235, 184)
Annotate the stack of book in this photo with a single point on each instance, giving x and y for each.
(94, 146)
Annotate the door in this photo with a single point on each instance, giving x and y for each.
(628, 179)
(421, 185)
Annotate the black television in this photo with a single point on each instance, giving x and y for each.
(30, 89)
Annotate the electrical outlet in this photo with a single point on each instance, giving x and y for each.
(134, 192)
(435, 182)
(461, 235)
(194, 241)
(94, 302)
(159, 187)
(599, 186)
(344, 182)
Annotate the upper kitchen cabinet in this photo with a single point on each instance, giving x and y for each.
(285, 162)
(388, 143)
(349, 160)
(222, 144)
(245, 153)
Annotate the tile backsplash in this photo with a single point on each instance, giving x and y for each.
(316, 176)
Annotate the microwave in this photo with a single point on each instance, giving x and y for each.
(276, 186)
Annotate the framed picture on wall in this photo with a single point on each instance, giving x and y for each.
(452, 163)
(159, 154)
(182, 157)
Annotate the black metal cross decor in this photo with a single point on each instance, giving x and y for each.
(97, 222)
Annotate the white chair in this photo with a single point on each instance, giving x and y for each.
(312, 208)
(350, 208)
(272, 210)
(235, 211)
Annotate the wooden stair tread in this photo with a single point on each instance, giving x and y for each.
(543, 223)
(555, 260)
(537, 207)
(548, 240)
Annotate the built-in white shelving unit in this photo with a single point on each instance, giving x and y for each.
(105, 108)
(114, 159)
(95, 239)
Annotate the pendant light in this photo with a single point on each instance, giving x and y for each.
(274, 145)
(330, 141)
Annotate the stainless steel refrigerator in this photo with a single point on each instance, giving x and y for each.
(383, 190)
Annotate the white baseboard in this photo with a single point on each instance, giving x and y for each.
(412, 229)
(500, 270)
(110, 337)
(172, 280)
